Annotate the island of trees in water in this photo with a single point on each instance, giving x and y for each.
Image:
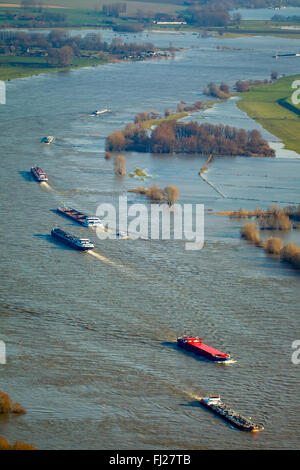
(191, 138)
(59, 47)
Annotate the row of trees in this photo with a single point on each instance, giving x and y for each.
(178, 137)
(114, 9)
(242, 86)
(222, 92)
(61, 47)
(234, 4)
(272, 245)
(169, 194)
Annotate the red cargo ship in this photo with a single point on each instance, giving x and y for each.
(196, 346)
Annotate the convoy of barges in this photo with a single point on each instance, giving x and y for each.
(189, 343)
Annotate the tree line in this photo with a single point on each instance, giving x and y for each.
(205, 13)
(114, 9)
(60, 47)
(193, 138)
(241, 86)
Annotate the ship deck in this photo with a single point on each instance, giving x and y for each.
(208, 349)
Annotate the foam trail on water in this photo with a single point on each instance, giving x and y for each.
(45, 185)
(104, 259)
(192, 395)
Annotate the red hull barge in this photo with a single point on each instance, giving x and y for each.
(196, 346)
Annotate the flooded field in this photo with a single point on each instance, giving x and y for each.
(90, 340)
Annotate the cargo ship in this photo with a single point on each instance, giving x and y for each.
(215, 405)
(39, 174)
(80, 217)
(122, 235)
(98, 112)
(82, 244)
(197, 346)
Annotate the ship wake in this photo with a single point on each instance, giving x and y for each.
(226, 363)
(46, 186)
(103, 259)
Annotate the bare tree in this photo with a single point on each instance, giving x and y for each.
(172, 194)
(155, 193)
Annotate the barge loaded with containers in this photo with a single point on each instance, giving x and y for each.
(215, 405)
(80, 217)
(82, 244)
(196, 346)
(39, 174)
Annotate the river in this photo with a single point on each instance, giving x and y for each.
(90, 342)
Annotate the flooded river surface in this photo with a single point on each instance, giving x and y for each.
(91, 340)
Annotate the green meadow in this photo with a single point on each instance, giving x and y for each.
(18, 67)
(271, 105)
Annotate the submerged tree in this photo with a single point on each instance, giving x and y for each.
(155, 193)
(172, 194)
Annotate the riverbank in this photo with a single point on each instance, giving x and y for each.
(271, 106)
(12, 67)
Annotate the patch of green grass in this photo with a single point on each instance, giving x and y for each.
(262, 103)
(173, 117)
(18, 67)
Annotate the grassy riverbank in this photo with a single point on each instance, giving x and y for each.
(12, 67)
(272, 107)
(177, 116)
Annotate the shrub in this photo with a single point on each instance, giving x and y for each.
(18, 409)
(5, 403)
(155, 193)
(276, 219)
(4, 444)
(290, 251)
(273, 246)
(250, 232)
(172, 194)
(7, 406)
(20, 445)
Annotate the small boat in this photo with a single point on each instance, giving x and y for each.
(196, 346)
(38, 174)
(98, 112)
(123, 235)
(48, 140)
(80, 217)
(214, 404)
(82, 244)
